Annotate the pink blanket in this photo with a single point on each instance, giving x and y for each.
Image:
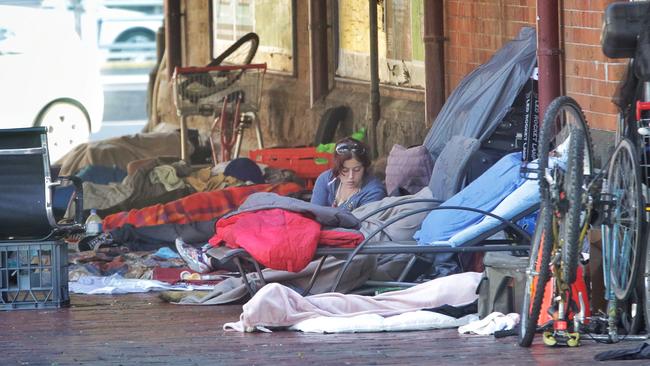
(278, 306)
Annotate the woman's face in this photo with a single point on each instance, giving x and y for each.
(351, 174)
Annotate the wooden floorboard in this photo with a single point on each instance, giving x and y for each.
(141, 329)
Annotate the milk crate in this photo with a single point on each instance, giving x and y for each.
(33, 275)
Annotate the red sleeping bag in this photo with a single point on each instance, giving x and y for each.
(279, 239)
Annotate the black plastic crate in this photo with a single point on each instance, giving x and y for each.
(33, 275)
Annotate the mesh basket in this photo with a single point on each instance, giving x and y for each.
(201, 90)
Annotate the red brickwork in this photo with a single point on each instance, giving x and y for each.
(476, 29)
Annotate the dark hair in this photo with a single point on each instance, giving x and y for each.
(349, 148)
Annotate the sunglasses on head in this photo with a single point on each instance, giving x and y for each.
(346, 147)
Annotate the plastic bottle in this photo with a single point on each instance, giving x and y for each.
(93, 223)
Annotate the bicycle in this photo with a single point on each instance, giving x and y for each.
(574, 198)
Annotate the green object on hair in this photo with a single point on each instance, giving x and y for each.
(360, 134)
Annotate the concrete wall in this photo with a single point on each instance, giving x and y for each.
(474, 31)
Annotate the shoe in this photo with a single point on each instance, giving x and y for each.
(95, 242)
(194, 257)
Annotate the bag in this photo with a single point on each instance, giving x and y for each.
(503, 284)
(623, 21)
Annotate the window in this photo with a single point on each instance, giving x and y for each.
(401, 48)
(272, 20)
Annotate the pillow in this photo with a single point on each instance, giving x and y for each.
(408, 168)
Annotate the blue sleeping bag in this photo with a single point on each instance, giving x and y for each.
(484, 193)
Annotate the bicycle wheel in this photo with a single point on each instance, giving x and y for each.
(241, 52)
(572, 215)
(562, 116)
(537, 275)
(644, 278)
(624, 230)
(631, 311)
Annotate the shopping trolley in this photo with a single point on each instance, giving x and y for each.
(231, 94)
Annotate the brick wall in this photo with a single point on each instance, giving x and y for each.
(591, 78)
(476, 29)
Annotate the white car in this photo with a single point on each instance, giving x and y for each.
(128, 34)
(48, 77)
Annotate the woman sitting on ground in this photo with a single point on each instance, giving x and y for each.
(349, 184)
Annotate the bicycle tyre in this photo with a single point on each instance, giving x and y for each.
(632, 320)
(645, 279)
(207, 85)
(330, 122)
(562, 111)
(537, 275)
(624, 186)
(251, 38)
(570, 224)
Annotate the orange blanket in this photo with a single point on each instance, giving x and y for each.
(201, 206)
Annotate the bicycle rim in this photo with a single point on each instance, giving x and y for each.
(537, 275)
(562, 116)
(571, 221)
(624, 230)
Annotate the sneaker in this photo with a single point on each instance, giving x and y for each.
(194, 257)
(95, 242)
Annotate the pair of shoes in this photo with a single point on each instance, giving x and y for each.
(194, 257)
(95, 242)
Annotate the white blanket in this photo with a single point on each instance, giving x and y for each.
(413, 320)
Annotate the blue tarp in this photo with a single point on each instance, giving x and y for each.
(481, 100)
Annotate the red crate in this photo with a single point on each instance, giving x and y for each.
(299, 159)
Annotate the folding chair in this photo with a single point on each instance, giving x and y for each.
(27, 187)
(33, 261)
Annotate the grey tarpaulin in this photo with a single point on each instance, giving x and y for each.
(484, 96)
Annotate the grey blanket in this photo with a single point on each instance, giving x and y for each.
(326, 216)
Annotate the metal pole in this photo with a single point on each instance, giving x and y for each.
(374, 78)
(318, 49)
(434, 59)
(548, 53)
(173, 34)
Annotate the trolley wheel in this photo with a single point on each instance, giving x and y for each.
(537, 275)
(571, 222)
(624, 229)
